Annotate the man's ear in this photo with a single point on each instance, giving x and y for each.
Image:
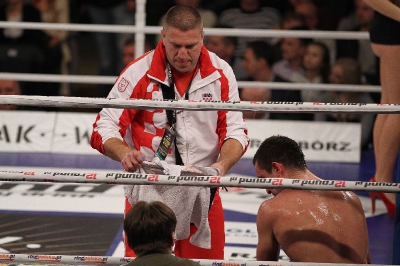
(163, 34)
(277, 169)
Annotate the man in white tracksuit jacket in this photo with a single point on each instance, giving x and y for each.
(203, 138)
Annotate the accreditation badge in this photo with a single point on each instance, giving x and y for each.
(165, 144)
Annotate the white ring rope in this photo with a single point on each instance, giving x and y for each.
(105, 260)
(209, 31)
(198, 105)
(90, 79)
(124, 178)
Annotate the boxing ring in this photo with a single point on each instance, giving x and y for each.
(39, 177)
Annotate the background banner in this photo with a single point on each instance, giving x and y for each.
(69, 133)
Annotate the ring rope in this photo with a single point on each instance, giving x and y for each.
(90, 79)
(126, 178)
(198, 105)
(107, 260)
(209, 31)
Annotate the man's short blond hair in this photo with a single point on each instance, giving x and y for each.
(183, 17)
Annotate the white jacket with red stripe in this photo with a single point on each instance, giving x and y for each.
(200, 134)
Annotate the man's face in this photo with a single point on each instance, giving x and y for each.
(8, 87)
(128, 53)
(217, 45)
(292, 48)
(310, 13)
(183, 47)
(261, 173)
(250, 63)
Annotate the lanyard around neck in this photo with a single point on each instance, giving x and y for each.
(169, 93)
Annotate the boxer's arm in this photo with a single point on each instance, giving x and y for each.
(267, 247)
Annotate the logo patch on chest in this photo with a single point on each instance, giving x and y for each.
(207, 96)
(122, 85)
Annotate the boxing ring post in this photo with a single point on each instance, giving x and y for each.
(396, 233)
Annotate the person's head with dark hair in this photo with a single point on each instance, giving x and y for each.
(183, 37)
(263, 51)
(292, 20)
(310, 11)
(282, 150)
(223, 46)
(150, 226)
(317, 60)
(129, 49)
(257, 62)
(293, 48)
(227, 39)
(304, 41)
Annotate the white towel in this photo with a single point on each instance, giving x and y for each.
(190, 204)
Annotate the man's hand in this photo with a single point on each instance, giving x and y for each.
(231, 151)
(132, 161)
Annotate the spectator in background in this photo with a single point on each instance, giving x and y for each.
(57, 54)
(311, 13)
(258, 58)
(348, 22)
(292, 52)
(21, 50)
(224, 47)
(129, 49)
(331, 11)
(361, 49)
(109, 45)
(150, 231)
(250, 15)
(19, 11)
(347, 71)
(292, 20)
(316, 63)
(309, 10)
(9, 87)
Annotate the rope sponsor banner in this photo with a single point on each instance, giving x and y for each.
(88, 260)
(69, 133)
(199, 105)
(212, 181)
(37, 197)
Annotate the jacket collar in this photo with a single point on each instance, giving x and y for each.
(158, 68)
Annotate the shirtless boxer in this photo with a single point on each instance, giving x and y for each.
(309, 225)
